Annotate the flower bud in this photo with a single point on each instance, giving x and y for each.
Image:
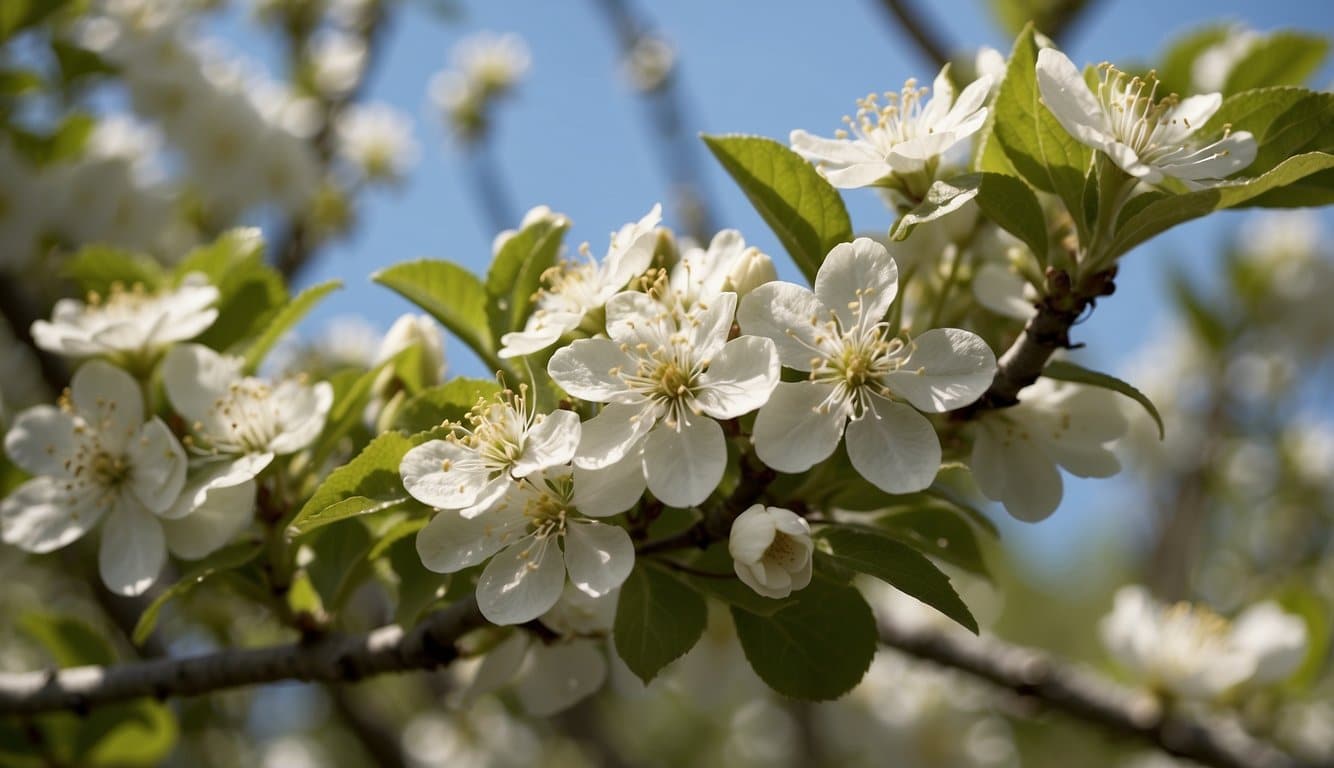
(771, 550)
(753, 269)
(405, 332)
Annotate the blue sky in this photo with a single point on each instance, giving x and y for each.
(575, 140)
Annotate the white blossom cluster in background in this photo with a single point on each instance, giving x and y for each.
(486, 68)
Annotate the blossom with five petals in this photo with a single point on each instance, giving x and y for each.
(575, 288)
(898, 144)
(859, 373)
(1149, 139)
(130, 321)
(95, 455)
(665, 376)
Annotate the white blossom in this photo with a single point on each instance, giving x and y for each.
(422, 331)
(666, 376)
(573, 289)
(1189, 651)
(771, 550)
(337, 60)
(1017, 451)
(504, 440)
(131, 322)
(96, 455)
(859, 373)
(376, 140)
(727, 265)
(898, 144)
(522, 535)
(1149, 139)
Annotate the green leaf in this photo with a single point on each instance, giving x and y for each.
(339, 561)
(658, 620)
(516, 272)
(448, 402)
(1004, 199)
(352, 392)
(283, 318)
(817, 648)
(1041, 151)
(228, 558)
(898, 565)
(367, 484)
(798, 204)
(138, 733)
(1280, 58)
(1176, 67)
(98, 267)
(938, 530)
(1170, 210)
(70, 641)
(1064, 370)
(16, 82)
(450, 294)
(418, 587)
(1285, 121)
(249, 290)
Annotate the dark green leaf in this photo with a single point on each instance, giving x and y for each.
(900, 566)
(937, 529)
(1285, 121)
(418, 587)
(803, 210)
(658, 620)
(283, 318)
(339, 561)
(1064, 370)
(817, 647)
(225, 559)
(452, 295)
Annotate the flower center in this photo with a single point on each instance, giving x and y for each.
(854, 362)
(245, 419)
(667, 376)
(1138, 120)
(497, 430)
(110, 471)
(894, 122)
(549, 503)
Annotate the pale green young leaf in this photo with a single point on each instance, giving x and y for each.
(898, 565)
(70, 641)
(1286, 57)
(1285, 121)
(817, 647)
(1064, 370)
(798, 204)
(1176, 67)
(99, 267)
(131, 734)
(228, 558)
(249, 290)
(1005, 200)
(658, 620)
(367, 484)
(450, 401)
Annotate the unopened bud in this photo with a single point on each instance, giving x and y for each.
(752, 270)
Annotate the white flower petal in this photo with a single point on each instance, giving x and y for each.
(546, 331)
(1012, 469)
(842, 152)
(607, 437)
(158, 467)
(41, 441)
(858, 176)
(1002, 291)
(752, 533)
(42, 515)
(894, 447)
(598, 557)
(789, 315)
(740, 378)
(682, 467)
(498, 666)
(708, 326)
(491, 494)
(589, 370)
(1068, 97)
(859, 281)
(559, 676)
(110, 400)
(522, 582)
(443, 474)
(610, 490)
(550, 442)
(195, 377)
(451, 542)
(948, 368)
(219, 514)
(792, 433)
(303, 410)
(1276, 639)
(133, 550)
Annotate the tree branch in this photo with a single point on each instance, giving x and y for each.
(927, 40)
(1088, 697)
(335, 658)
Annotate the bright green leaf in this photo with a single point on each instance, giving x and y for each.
(228, 558)
(1280, 58)
(658, 620)
(516, 272)
(367, 484)
(249, 290)
(450, 294)
(1064, 370)
(283, 318)
(70, 641)
(1285, 121)
(448, 402)
(418, 587)
(138, 733)
(817, 647)
(803, 210)
(1005, 200)
(900, 566)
